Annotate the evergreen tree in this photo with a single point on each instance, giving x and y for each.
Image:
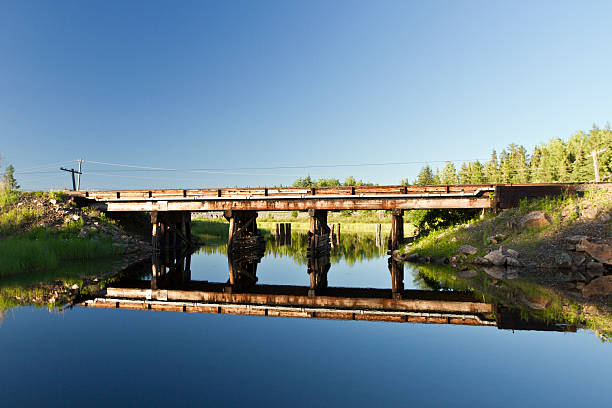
(8, 179)
(491, 169)
(449, 174)
(426, 177)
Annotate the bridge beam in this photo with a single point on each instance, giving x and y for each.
(396, 269)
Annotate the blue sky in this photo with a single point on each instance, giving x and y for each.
(261, 92)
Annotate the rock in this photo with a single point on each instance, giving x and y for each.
(455, 259)
(594, 272)
(453, 239)
(74, 287)
(563, 260)
(599, 286)
(467, 249)
(496, 257)
(479, 260)
(578, 260)
(53, 201)
(589, 213)
(595, 267)
(75, 217)
(82, 233)
(497, 238)
(575, 239)
(440, 261)
(512, 253)
(580, 285)
(535, 219)
(604, 218)
(510, 261)
(603, 253)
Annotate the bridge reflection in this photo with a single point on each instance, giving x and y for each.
(172, 289)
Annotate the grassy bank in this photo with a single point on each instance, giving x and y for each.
(36, 236)
(565, 216)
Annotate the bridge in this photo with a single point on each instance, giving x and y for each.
(171, 208)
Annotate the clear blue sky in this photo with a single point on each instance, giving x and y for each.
(263, 84)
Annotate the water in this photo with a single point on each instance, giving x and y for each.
(115, 357)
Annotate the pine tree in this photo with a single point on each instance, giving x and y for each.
(449, 174)
(8, 179)
(426, 177)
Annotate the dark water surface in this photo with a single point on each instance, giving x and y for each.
(113, 357)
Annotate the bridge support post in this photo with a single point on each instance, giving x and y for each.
(396, 237)
(170, 230)
(397, 278)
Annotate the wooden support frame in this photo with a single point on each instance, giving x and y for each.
(396, 237)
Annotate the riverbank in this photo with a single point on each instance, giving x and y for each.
(564, 241)
(41, 231)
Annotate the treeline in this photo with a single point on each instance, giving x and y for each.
(329, 182)
(555, 161)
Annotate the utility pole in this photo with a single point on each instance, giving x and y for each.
(79, 177)
(73, 171)
(594, 153)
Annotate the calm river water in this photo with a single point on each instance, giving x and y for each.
(114, 357)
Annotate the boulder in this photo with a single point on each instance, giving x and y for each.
(510, 261)
(512, 253)
(563, 260)
(467, 249)
(590, 213)
(603, 253)
(479, 260)
(595, 267)
(575, 239)
(496, 258)
(599, 286)
(535, 219)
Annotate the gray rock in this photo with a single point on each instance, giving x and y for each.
(479, 260)
(595, 267)
(535, 219)
(510, 261)
(467, 249)
(589, 213)
(512, 253)
(579, 260)
(496, 257)
(575, 239)
(563, 260)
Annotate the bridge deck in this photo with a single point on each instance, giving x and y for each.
(319, 198)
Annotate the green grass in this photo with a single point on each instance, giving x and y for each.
(22, 255)
(11, 220)
(8, 197)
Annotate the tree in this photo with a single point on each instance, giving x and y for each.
(8, 179)
(426, 177)
(449, 174)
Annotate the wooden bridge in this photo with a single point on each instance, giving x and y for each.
(171, 208)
